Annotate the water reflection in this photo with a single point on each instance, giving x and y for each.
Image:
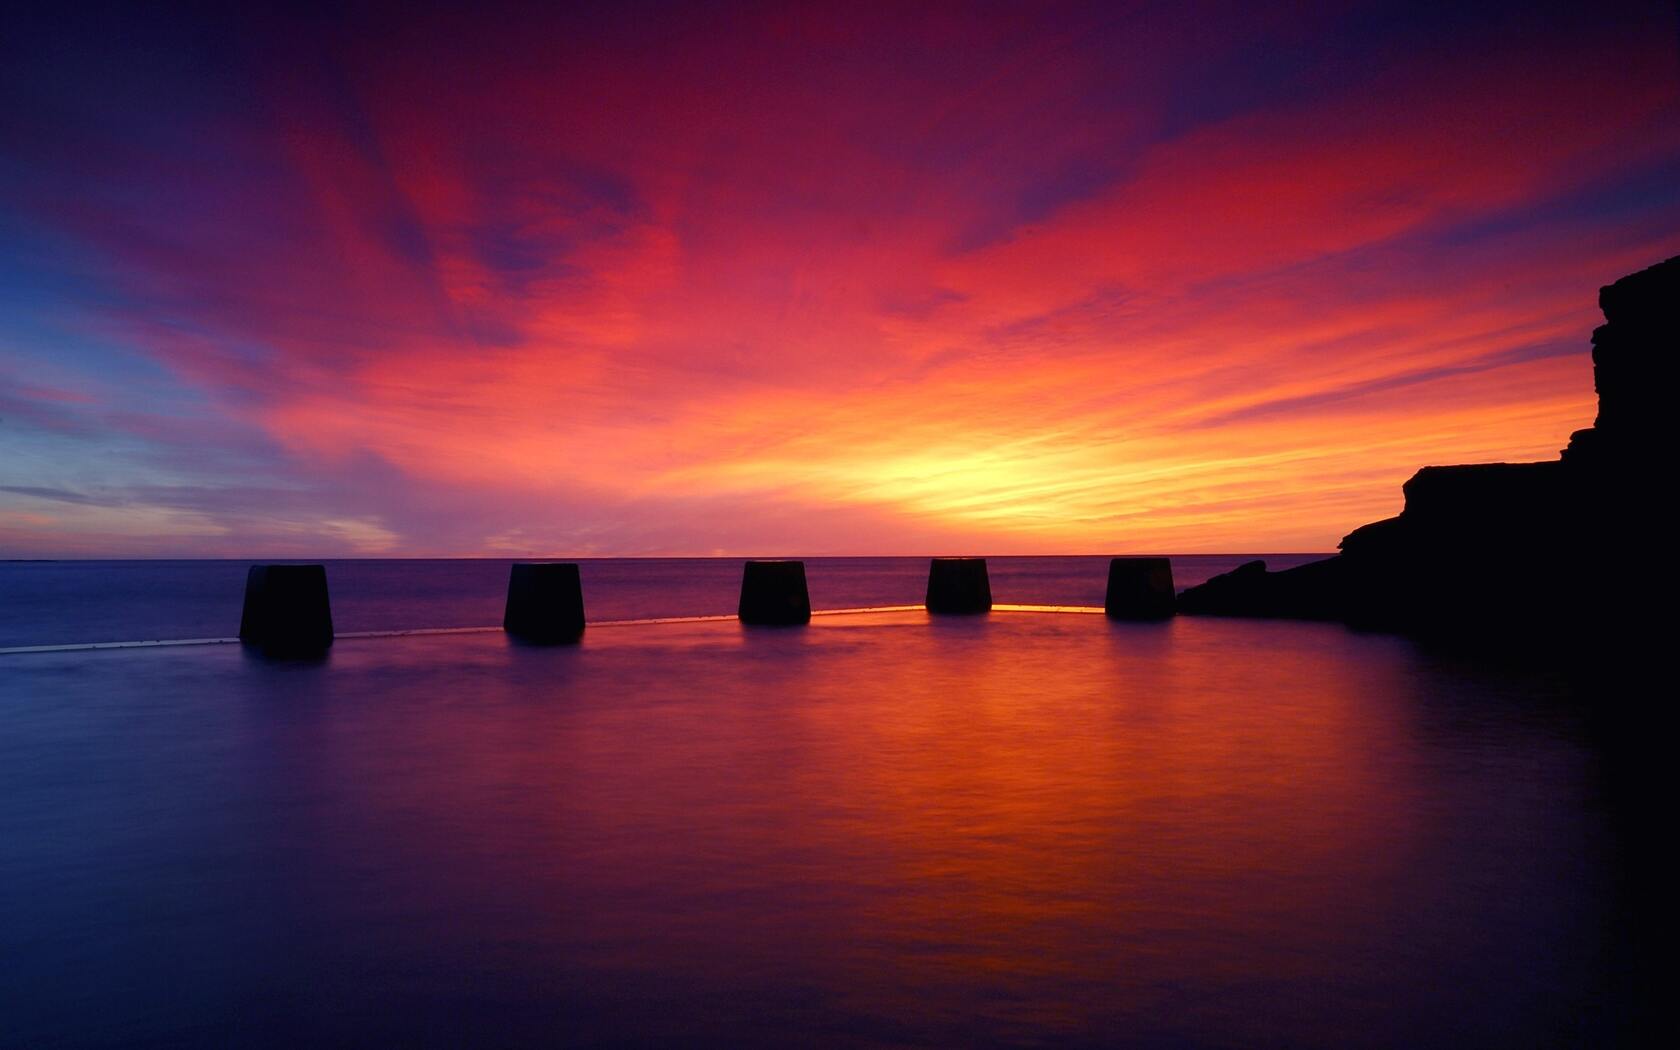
(878, 830)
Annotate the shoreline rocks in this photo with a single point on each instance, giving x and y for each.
(1504, 551)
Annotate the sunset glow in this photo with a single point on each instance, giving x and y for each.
(773, 281)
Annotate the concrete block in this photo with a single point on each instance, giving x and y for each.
(1140, 589)
(773, 592)
(958, 585)
(287, 610)
(544, 602)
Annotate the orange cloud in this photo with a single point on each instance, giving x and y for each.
(982, 285)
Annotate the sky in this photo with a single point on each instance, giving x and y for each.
(802, 279)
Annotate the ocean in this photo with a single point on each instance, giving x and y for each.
(68, 602)
(883, 829)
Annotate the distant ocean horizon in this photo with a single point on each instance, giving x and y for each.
(73, 601)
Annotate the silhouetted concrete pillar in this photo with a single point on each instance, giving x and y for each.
(1140, 589)
(544, 602)
(958, 585)
(773, 592)
(286, 609)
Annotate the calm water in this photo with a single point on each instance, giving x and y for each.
(50, 603)
(880, 830)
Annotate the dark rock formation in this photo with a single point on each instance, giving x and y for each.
(1507, 551)
(544, 603)
(958, 585)
(1139, 589)
(1632, 369)
(1308, 592)
(287, 611)
(773, 592)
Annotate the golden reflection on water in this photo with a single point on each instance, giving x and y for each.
(884, 828)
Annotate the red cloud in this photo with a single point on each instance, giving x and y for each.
(940, 288)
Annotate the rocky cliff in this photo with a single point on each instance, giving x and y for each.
(1531, 551)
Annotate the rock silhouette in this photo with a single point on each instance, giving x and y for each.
(1506, 551)
(1308, 592)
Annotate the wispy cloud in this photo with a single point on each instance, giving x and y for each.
(1050, 279)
